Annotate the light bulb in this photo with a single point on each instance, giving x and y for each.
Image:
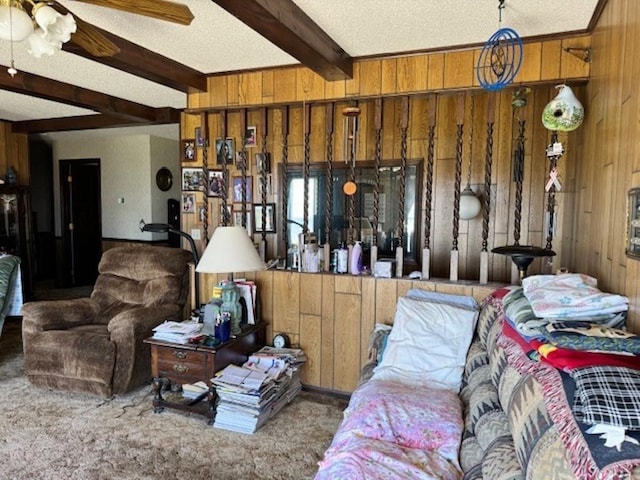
(15, 23)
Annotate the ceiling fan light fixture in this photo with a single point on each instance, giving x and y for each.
(15, 23)
(39, 45)
(57, 27)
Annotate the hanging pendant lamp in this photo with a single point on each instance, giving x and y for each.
(564, 113)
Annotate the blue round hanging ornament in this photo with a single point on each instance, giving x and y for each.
(499, 60)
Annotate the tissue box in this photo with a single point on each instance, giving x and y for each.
(384, 268)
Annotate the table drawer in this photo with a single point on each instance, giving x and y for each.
(173, 362)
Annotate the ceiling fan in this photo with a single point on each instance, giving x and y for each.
(65, 26)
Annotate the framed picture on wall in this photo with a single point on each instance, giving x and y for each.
(225, 150)
(201, 209)
(225, 215)
(250, 137)
(199, 140)
(237, 189)
(192, 179)
(188, 150)
(216, 183)
(237, 220)
(188, 203)
(263, 162)
(270, 220)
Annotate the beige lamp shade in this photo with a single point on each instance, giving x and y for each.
(230, 250)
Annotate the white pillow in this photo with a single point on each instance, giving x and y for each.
(428, 344)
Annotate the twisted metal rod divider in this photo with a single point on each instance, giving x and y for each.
(403, 168)
(263, 172)
(225, 171)
(486, 204)
(285, 180)
(329, 186)
(429, 186)
(204, 128)
(305, 173)
(456, 191)
(519, 177)
(243, 169)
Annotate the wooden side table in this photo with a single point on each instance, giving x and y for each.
(180, 364)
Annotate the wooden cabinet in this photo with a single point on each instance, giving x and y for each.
(16, 235)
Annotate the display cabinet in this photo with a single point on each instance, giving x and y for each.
(16, 236)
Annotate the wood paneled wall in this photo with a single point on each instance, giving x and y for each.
(609, 156)
(14, 152)
(443, 75)
(330, 316)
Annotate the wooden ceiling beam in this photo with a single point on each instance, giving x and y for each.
(285, 25)
(41, 87)
(88, 122)
(144, 63)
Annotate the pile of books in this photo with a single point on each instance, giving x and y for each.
(250, 394)
(177, 332)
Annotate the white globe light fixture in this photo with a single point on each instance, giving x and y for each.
(15, 23)
(469, 204)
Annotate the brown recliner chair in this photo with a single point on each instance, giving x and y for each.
(96, 344)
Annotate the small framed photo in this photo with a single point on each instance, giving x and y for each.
(225, 150)
(188, 150)
(216, 183)
(264, 185)
(199, 141)
(250, 137)
(237, 220)
(263, 162)
(188, 203)
(202, 207)
(237, 189)
(240, 160)
(225, 215)
(192, 179)
(270, 220)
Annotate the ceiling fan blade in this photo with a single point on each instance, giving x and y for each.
(92, 40)
(161, 9)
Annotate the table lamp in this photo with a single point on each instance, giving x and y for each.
(230, 250)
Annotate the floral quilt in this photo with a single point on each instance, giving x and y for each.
(396, 431)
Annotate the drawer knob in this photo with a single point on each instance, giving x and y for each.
(180, 354)
(180, 368)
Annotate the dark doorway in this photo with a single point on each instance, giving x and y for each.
(41, 183)
(81, 220)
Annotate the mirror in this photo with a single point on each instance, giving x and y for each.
(386, 232)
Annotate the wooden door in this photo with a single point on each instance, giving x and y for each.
(81, 220)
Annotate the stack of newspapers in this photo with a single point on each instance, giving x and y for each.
(250, 394)
(177, 332)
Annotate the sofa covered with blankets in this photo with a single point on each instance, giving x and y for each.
(537, 382)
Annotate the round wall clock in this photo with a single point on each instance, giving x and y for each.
(164, 179)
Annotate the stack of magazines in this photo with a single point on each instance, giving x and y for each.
(177, 332)
(251, 394)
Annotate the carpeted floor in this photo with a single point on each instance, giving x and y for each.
(46, 434)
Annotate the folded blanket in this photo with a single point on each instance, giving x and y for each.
(578, 335)
(566, 359)
(520, 313)
(570, 295)
(607, 395)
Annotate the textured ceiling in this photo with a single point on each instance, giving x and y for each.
(218, 42)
